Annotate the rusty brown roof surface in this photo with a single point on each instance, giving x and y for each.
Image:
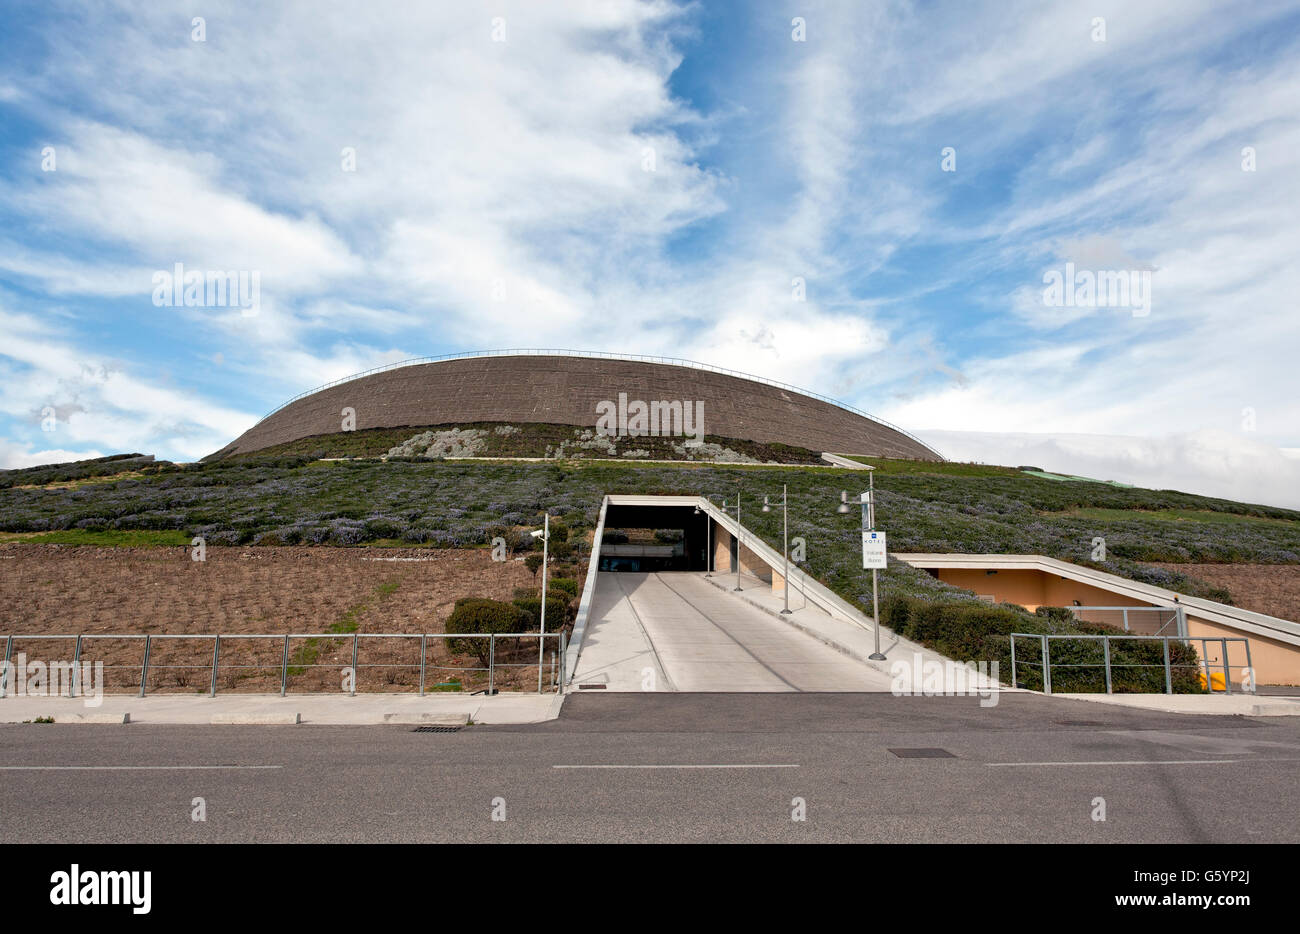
(565, 390)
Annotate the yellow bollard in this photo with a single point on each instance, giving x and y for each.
(1216, 679)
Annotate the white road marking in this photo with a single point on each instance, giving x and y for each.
(726, 766)
(125, 768)
(1134, 762)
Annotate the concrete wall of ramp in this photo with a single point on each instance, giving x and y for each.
(584, 605)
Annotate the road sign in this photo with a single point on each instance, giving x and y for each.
(873, 550)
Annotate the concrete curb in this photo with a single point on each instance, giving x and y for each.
(1274, 710)
(271, 709)
(1218, 705)
(255, 719)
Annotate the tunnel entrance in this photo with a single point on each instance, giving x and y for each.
(655, 538)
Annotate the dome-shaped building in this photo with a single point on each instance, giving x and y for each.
(579, 389)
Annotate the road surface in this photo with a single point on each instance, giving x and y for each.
(673, 767)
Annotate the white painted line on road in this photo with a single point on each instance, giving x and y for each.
(125, 768)
(728, 766)
(1130, 762)
(1150, 762)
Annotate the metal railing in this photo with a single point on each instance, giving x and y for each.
(1214, 674)
(495, 652)
(1138, 620)
(602, 355)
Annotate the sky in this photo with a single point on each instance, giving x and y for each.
(868, 200)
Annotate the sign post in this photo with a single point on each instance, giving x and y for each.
(873, 556)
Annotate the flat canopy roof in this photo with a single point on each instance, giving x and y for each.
(1260, 624)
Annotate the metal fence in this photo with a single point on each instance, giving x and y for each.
(505, 659)
(1213, 668)
(1137, 620)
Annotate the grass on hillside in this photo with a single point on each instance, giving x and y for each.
(110, 538)
(925, 507)
(307, 654)
(889, 466)
(80, 470)
(1170, 515)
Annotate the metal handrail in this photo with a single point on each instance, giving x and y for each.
(605, 355)
(1178, 618)
(1044, 641)
(555, 681)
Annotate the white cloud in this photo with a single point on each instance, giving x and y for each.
(520, 164)
(14, 456)
(117, 187)
(1207, 462)
(97, 401)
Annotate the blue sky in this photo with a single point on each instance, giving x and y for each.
(653, 178)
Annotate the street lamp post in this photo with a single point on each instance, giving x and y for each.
(725, 507)
(545, 535)
(739, 529)
(785, 541)
(869, 525)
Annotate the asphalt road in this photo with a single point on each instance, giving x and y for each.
(611, 769)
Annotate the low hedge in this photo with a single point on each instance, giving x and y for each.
(980, 632)
(558, 611)
(567, 585)
(482, 617)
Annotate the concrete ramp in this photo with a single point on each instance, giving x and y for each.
(678, 632)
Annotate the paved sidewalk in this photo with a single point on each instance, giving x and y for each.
(1228, 705)
(270, 709)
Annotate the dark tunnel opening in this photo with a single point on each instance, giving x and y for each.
(655, 538)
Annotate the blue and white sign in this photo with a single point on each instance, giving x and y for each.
(873, 550)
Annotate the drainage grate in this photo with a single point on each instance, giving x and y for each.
(923, 753)
(436, 729)
(1080, 723)
(591, 687)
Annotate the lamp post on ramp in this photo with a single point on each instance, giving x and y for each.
(544, 533)
(726, 509)
(785, 542)
(873, 551)
(739, 530)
